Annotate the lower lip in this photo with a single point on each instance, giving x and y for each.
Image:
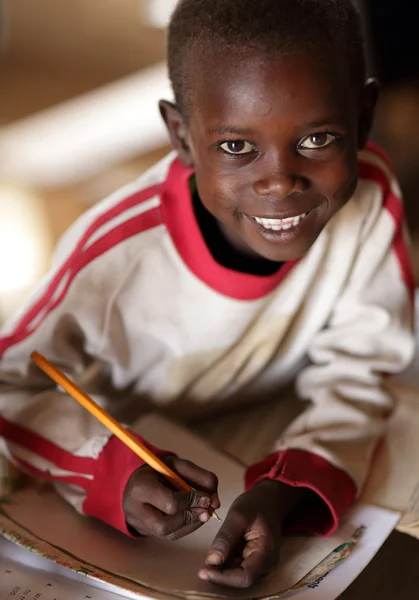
(285, 236)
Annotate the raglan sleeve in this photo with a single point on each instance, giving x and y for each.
(42, 430)
(329, 448)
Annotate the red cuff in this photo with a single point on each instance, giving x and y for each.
(114, 467)
(335, 490)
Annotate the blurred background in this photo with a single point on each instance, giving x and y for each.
(79, 84)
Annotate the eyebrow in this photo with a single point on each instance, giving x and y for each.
(332, 120)
(227, 130)
(230, 130)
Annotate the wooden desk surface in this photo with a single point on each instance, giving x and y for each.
(392, 574)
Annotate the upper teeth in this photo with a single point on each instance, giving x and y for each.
(278, 224)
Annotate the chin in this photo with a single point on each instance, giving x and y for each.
(282, 255)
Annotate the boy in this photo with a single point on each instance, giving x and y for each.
(264, 239)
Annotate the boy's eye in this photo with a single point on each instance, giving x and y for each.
(316, 141)
(237, 147)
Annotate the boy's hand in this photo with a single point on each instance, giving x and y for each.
(153, 508)
(247, 545)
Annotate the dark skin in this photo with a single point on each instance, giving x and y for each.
(271, 139)
(153, 508)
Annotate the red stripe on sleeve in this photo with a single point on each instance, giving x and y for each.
(45, 449)
(376, 149)
(114, 212)
(335, 490)
(395, 207)
(105, 493)
(78, 260)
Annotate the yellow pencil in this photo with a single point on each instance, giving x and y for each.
(110, 423)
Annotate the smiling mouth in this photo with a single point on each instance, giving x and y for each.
(280, 224)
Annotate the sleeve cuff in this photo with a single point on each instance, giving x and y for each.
(114, 467)
(334, 490)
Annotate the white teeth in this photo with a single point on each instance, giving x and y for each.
(280, 224)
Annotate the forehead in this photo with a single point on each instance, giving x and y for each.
(290, 87)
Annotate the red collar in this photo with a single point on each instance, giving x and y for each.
(180, 220)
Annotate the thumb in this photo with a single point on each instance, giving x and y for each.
(192, 499)
(226, 541)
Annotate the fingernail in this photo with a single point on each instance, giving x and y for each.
(205, 502)
(204, 517)
(214, 558)
(203, 575)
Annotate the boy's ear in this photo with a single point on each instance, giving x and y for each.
(368, 103)
(178, 131)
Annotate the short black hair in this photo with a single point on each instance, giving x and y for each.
(270, 26)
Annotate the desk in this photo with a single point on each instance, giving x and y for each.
(392, 574)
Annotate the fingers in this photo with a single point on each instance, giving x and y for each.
(156, 510)
(186, 530)
(171, 527)
(227, 540)
(240, 577)
(169, 501)
(153, 508)
(198, 478)
(258, 561)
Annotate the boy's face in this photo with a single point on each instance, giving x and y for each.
(274, 145)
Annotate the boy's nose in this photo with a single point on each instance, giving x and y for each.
(278, 185)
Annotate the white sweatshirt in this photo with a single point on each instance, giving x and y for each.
(137, 310)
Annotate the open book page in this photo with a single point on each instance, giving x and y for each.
(35, 559)
(25, 575)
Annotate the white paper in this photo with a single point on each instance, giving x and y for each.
(26, 576)
(377, 524)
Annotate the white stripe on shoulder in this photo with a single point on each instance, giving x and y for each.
(156, 175)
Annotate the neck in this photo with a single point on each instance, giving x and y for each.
(226, 248)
